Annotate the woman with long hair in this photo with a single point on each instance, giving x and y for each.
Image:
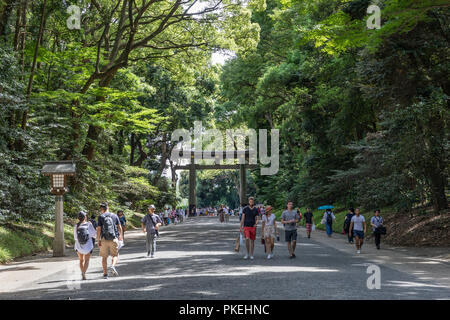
(83, 233)
(269, 228)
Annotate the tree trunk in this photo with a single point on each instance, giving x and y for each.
(174, 174)
(142, 154)
(133, 147)
(5, 13)
(18, 27)
(23, 21)
(33, 66)
(120, 142)
(18, 143)
(91, 141)
(439, 198)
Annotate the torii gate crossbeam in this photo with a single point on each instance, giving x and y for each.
(242, 167)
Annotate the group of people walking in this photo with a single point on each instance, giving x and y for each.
(109, 233)
(109, 230)
(249, 222)
(354, 227)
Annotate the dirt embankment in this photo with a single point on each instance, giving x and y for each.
(418, 229)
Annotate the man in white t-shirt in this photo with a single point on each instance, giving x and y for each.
(227, 214)
(358, 227)
(166, 216)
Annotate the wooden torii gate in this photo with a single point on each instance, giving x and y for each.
(242, 167)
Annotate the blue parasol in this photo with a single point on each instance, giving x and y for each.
(325, 207)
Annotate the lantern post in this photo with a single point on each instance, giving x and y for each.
(58, 172)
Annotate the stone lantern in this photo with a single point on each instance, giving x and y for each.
(58, 172)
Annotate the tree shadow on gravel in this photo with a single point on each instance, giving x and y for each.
(203, 265)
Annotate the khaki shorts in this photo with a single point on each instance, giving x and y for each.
(109, 248)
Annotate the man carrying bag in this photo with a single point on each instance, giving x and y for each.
(378, 229)
(151, 227)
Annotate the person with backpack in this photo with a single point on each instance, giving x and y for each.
(123, 222)
(109, 233)
(150, 225)
(377, 223)
(289, 218)
(347, 221)
(221, 214)
(358, 227)
(328, 218)
(94, 224)
(308, 222)
(83, 233)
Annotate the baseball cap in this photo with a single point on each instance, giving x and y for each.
(151, 206)
(82, 215)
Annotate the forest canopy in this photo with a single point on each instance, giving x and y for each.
(363, 113)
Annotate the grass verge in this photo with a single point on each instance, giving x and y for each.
(22, 239)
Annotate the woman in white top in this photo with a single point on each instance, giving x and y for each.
(83, 233)
(269, 229)
(327, 220)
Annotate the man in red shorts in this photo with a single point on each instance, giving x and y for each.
(249, 221)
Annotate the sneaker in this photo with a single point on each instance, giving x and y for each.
(83, 276)
(268, 256)
(378, 247)
(251, 258)
(294, 256)
(148, 254)
(246, 257)
(105, 276)
(291, 257)
(358, 251)
(114, 271)
(152, 256)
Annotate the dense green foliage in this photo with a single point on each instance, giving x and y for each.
(363, 114)
(107, 95)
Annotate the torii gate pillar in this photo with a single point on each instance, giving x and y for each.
(192, 185)
(242, 185)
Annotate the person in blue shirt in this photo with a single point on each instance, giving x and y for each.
(376, 221)
(123, 222)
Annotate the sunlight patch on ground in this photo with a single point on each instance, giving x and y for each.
(150, 288)
(394, 283)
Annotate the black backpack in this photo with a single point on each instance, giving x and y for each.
(108, 228)
(83, 233)
(329, 218)
(347, 222)
(94, 223)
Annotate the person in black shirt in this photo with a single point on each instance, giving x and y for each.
(347, 221)
(308, 221)
(248, 224)
(94, 224)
